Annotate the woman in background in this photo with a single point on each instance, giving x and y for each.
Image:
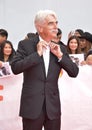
(6, 55)
(73, 45)
(88, 58)
(73, 48)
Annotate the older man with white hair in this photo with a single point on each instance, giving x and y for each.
(41, 61)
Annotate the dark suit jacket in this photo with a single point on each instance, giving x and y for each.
(38, 88)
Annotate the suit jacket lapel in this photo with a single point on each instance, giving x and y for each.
(43, 66)
(50, 63)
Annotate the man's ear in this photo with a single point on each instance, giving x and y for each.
(40, 28)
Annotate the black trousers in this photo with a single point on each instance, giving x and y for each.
(40, 122)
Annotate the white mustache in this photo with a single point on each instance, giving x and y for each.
(54, 30)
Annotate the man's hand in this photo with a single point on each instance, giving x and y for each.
(55, 49)
(41, 46)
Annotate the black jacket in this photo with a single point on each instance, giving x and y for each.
(38, 88)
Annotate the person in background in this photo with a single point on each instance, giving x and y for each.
(41, 61)
(73, 45)
(71, 33)
(85, 42)
(78, 32)
(59, 34)
(3, 35)
(6, 55)
(88, 58)
(30, 35)
(59, 37)
(73, 48)
(88, 37)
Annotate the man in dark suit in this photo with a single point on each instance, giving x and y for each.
(41, 60)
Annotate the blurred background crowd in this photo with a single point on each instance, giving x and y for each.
(78, 42)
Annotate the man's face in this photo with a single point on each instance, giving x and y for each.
(2, 39)
(49, 27)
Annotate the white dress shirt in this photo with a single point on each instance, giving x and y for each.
(46, 56)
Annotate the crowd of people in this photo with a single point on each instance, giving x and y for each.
(38, 56)
(78, 42)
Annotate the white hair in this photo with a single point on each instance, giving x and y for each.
(42, 14)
